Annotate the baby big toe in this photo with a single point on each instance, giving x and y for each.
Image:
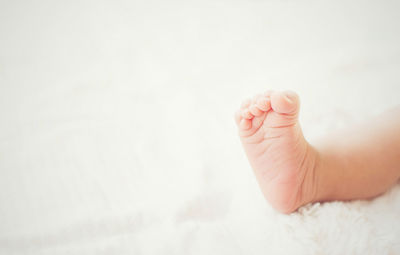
(286, 102)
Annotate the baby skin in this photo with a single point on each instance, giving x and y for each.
(359, 163)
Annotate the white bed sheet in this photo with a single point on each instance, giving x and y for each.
(116, 129)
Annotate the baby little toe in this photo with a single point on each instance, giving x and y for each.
(246, 103)
(238, 117)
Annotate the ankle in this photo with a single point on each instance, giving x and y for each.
(324, 182)
(310, 190)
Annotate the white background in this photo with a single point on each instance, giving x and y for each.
(116, 128)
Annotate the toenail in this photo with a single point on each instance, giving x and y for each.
(290, 94)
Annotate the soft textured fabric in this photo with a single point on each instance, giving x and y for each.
(117, 132)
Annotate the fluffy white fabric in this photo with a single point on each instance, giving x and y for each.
(116, 128)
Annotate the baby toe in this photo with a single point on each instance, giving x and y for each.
(264, 104)
(247, 114)
(268, 93)
(246, 103)
(245, 124)
(238, 117)
(255, 110)
(286, 102)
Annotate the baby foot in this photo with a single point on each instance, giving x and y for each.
(283, 161)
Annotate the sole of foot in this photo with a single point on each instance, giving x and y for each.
(283, 162)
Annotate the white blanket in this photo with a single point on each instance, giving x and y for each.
(116, 128)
